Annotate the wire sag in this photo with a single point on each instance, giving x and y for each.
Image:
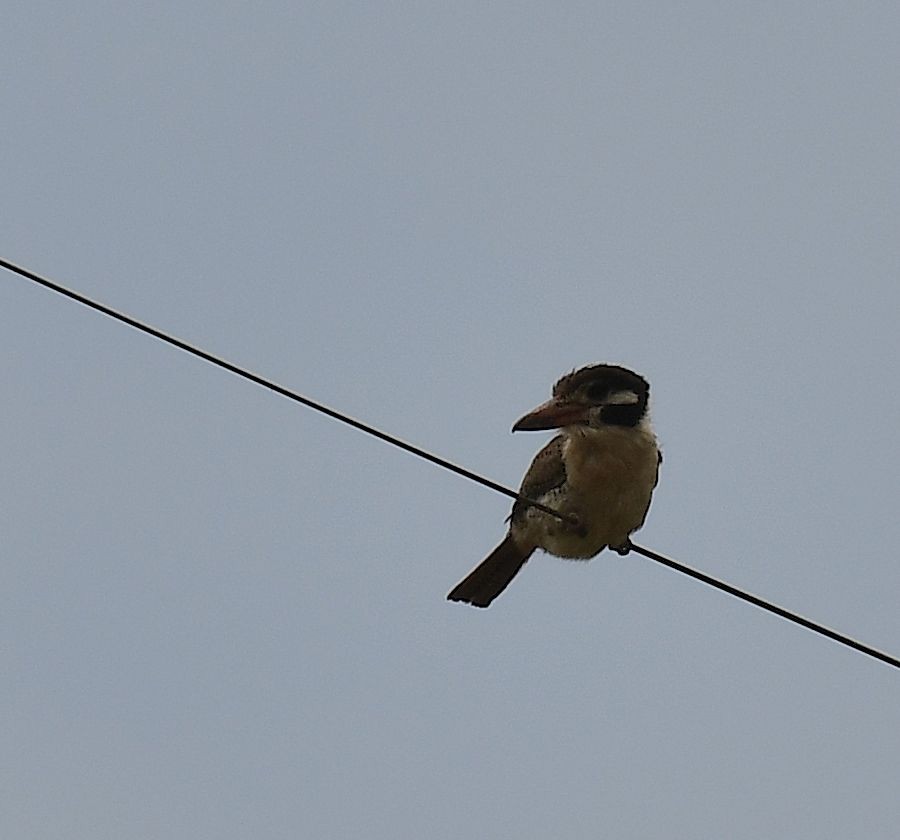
(441, 462)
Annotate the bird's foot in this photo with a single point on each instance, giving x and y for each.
(623, 549)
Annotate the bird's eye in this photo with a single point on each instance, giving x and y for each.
(596, 391)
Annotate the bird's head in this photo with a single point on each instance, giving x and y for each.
(593, 396)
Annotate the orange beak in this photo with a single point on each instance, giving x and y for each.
(553, 414)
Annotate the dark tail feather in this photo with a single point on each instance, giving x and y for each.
(490, 577)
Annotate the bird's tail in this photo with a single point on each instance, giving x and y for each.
(490, 577)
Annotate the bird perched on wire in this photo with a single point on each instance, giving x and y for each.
(598, 472)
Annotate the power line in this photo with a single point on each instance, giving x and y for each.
(441, 462)
(765, 605)
(278, 389)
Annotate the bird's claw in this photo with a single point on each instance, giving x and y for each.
(623, 549)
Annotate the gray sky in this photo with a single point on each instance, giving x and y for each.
(223, 616)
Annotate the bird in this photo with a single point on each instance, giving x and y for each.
(599, 473)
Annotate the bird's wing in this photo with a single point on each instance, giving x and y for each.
(546, 473)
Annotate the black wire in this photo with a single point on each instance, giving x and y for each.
(434, 459)
(772, 608)
(278, 389)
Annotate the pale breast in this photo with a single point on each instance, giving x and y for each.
(610, 476)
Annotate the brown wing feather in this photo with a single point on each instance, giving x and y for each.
(546, 473)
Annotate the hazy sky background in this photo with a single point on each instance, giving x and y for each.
(224, 616)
